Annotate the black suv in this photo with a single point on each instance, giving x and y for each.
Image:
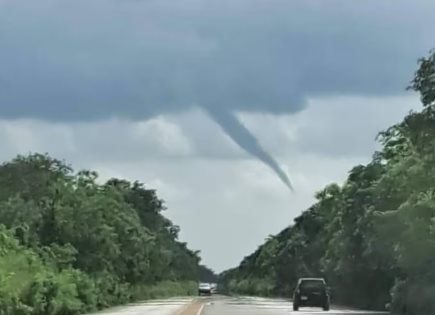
(311, 292)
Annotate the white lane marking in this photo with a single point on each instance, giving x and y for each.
(200, 310)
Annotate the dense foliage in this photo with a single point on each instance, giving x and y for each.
(372, 238)
(69, 244)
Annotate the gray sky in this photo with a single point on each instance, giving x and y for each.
(128, 88)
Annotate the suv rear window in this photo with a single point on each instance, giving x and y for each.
(312, 284)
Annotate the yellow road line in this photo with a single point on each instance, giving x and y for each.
(193, 308)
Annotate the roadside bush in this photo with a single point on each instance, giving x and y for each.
(413, 297)
(30, 287)
(53, 294)
(10, 303)
(87, 291)
(111, 291)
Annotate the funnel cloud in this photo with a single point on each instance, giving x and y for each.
(231, 125)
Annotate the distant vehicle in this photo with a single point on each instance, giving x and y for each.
(204, 288)
(311, 292)
(213, 288)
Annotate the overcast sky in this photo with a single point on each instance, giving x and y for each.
(185, 95)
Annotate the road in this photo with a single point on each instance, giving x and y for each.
(173, 306)
(221, 305)
(262, 306)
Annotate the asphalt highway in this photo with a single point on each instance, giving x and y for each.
(173, 306)
(222, 305)
(263, 306)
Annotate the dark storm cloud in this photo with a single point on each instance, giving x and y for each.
(87, 60)
(84, 60)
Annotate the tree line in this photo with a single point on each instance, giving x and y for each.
(70, 244)
(373, 237)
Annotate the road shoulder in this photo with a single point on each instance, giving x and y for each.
(193, 308)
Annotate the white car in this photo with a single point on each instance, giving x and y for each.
(204, 288)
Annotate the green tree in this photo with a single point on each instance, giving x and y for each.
(94, 245)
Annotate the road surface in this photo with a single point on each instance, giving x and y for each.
(221, 305)
(173, 306)
(263, 306)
